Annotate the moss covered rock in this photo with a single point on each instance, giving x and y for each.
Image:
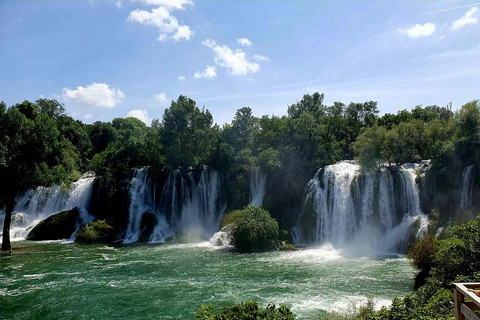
(287, 247)
(58, 226)
(96, 232)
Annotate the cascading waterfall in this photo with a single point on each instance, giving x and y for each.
(345, 205)
(212, 205)
(258, 180)
(140, 202)
(467, 187)
(184, 205)
(36, 205)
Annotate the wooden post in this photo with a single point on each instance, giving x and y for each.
(459, 299)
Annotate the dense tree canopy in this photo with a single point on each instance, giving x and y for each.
(41, 145)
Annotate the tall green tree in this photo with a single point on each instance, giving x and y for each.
(32, 153)
(186, 133)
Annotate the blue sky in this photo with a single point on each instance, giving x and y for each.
(108, 59)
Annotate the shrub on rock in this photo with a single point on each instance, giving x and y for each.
(58, 226)
(253, 229)
(96, 232)
(245, 310)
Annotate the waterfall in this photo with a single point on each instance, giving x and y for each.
(344, 205)
(185, 205)
(141, 201)
(257, 186)
(467, 187)
(36, 205)
(212, 203)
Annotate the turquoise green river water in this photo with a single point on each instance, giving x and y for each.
(67, 281)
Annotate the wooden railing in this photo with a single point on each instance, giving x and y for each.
(464, 309)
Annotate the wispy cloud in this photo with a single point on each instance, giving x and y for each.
(210, 72)
(161, 98)
(419, 30)
(244, 42)
(470, 18)
(173, 4)
(260, 57)
(182, 78)
(448, 9)
(10, 24)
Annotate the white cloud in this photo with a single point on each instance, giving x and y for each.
(171, 4)
(162, 19)
(210, 72)
(94, 95)
(471, 17)
(419, 30)
(244, 42)
(235, 62)
(182, 78)
(260, 58)
(183, 32)
(209, 43)
(141, 115)
(161, 97)
(87, 116)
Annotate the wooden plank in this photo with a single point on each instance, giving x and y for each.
(463, 288)
(459, 298)
(472, 306)
(468, 313)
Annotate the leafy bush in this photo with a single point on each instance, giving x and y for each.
(423, 252)
(96, 232)
(245, 310)
(253, 228)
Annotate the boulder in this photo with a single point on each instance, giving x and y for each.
(149, 220)
(58, 226)
(96, 232)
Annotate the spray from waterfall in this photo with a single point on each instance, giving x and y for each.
(258, 180)
(467, 187)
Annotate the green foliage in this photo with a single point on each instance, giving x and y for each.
(96, 232)
(33, 152)
(245, 310)
(288, 247)
(423, 252)
(253, 228)
(187, 133)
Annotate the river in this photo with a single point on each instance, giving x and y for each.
(53, 280)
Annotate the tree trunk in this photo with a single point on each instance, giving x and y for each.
(6, 246)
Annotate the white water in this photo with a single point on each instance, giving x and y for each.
(184, 205)
(467, 187)
(36, 205)
(258, 180)
(140, 194)
(222, 238)
(361, 210)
